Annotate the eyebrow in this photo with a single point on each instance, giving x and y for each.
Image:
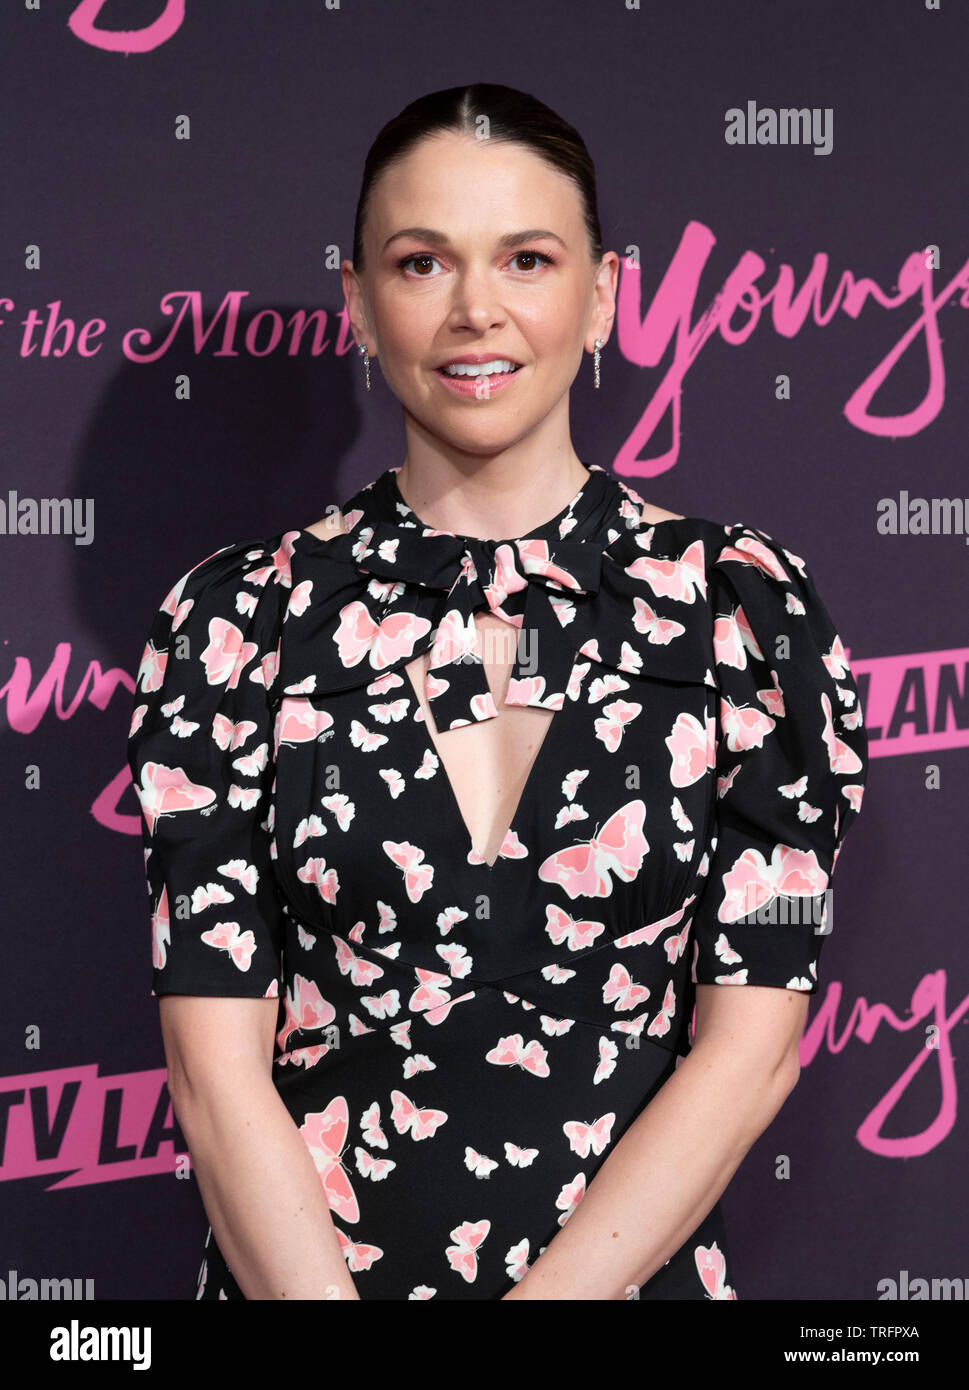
(505, 242)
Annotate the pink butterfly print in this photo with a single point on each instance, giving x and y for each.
(413, 1066)
(431, 990)
(579, 672)
(725, 952)
(429, 765)
(584, 1138)
(511, 848)
(571, 784)
(409, 1119)
(376, 1169)
(583, 869)
(744, 726)
(362, 972)
(854, 793)
(808, 813)
(792, 789)
(382, 1005)
(692, 749)
(395, 782)
(358, 1028)
(676, 945)
(400, 1033)
(227, 654)
(608, 1052)
(307, 827)
(611, 726)
(151, 669)
(278, 570)
(243, 797)
(516, 1260)
(478, 1164)
(728, 645)
(676, 579)
(251, 764)
(388, 713)
(556, 974)
(359, 1257)
(165, 790)
(231, 736)
(456, 958)
(182, 728)
(561, 927)
(203, 897)
(652, 930)
(773, 698)
(161, 936)
(660, 1025)
(418, 876)
(455, 639)
(753, 552)
(530, 690)
(325, 1135)
(570, 1196)
(449, 918)
(519, 1158)
(555, 1027)
(299, 600)
(836, 659)
(303, 1056)
(382, 684)
(712, 1267)
(438, 1015)
(682, 820)
(370, 1127)
(621, 987)
(227, 936)
(605, 685)
(512, 1051)
(298, 721)
(305, 938)
(137, 719)
(684, 849)
(362, 737)
(463, 1257)
(305, 1009)
(751, 881)
(384, 643)
(660, 631)
(325, 880)
(725, 783)
(841, 757)
(568, 814)
(342, 807)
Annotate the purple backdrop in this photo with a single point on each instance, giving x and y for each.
(787, 331)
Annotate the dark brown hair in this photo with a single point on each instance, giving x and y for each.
(513, 116)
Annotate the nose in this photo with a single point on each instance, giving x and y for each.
(475, 301)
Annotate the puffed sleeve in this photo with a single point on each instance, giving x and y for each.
(201, 753)
(791, 767)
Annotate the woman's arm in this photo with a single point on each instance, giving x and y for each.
(260, 1188)
(673, 1163)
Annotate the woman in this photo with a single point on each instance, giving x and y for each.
(432, 908)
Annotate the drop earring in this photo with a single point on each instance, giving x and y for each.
(595, 364)
(366, 362)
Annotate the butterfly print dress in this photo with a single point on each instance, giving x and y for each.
(462, 1045)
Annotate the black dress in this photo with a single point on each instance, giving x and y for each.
(462, 1044)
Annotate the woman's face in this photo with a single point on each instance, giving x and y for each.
(426, 299)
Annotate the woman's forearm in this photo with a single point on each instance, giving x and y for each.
(662, 1178)
(262, 1194)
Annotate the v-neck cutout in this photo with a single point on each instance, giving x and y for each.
(520, 805)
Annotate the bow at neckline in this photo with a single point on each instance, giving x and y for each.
(365, 603)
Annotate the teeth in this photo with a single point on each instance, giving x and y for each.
(480, 369)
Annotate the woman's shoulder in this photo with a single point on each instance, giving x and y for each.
(331, 525)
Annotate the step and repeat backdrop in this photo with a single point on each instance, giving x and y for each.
(786, 186)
